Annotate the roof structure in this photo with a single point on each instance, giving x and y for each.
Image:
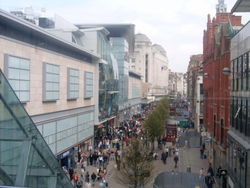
(116, 30)
(7, 19)
(142, 37)
(241, 6)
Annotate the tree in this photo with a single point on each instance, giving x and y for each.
(137, 165)
(155, 123)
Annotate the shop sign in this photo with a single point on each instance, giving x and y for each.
(207, 139)
(65, 154)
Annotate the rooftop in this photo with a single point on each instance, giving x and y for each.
(241, 6)
(142, 38)
(21, 25)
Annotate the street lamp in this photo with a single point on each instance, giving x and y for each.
(205, 75)
(226, 70)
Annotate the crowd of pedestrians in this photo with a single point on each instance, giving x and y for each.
(107, 148)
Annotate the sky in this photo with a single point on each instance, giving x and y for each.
(177, 25)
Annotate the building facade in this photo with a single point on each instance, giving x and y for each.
(47, 103)
(176, 84)
(195, 90)
(216, 52)
(57, 86)
(151, 62)
(239, 133)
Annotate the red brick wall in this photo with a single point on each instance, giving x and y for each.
(216, 85)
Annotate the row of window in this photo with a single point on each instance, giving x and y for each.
(241, 73)
(240, 114)
(73, 129)
(17, 70)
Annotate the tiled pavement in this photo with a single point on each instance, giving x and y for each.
(187, 157)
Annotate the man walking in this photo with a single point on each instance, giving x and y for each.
(164, 157)
(209, 180)
(176, 159)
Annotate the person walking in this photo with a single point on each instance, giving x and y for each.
(210, 170)
(87, 177)
(201, 153)
(75, 178)
(209, 180)
(71, 172)
(163, 157)
(176, 159)
(93, 178)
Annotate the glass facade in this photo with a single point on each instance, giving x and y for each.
(238, 136)
(51, 82)
(136, 90)
(108, 80)
(25, 158)
(89, 87)
(73, 83)
(240, 115)
(65, 133)
(17, 70)
(120, 51)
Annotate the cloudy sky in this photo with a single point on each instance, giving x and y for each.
(177, 25)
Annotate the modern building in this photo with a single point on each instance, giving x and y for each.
(239, 132)
(120, 37)
(216, 54)
(151, 62)
(46, 108)
(55, 80)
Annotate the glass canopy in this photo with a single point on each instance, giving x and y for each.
(25, 158)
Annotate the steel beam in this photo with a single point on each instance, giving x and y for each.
(23, 163)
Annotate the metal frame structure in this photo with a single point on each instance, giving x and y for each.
(25, 158)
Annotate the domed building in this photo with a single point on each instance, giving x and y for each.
(150, 61)
(142, 38)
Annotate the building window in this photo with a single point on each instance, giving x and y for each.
(73, 83)
(245, 71)
(240, 73)
(248, 118)
(240, 104)
(88, 84)
(232, 112)
(235, 75)
(222, 131)
(17, 70)
(146, 68)
(244, 116)
(215, 127)
(51, 80)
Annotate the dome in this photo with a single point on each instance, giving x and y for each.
(160, 49)
(142, 38)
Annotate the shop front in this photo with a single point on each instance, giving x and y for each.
(66, 159)
(104, 130)
(238, 161)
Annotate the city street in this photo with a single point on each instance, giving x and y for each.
(188, 157)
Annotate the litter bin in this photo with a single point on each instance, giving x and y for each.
(189, 169)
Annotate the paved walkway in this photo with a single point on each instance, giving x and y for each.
(187, 157)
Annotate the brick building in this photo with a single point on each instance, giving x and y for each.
(216, 53)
